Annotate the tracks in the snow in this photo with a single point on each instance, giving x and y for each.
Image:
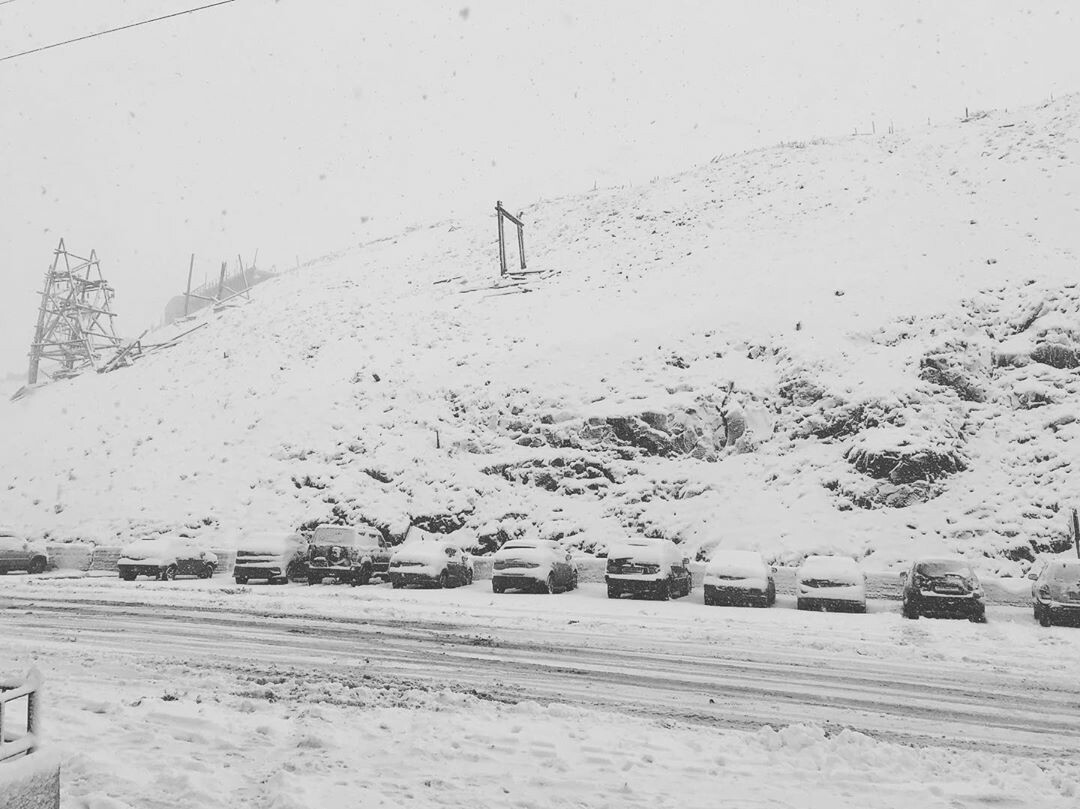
(728, 685)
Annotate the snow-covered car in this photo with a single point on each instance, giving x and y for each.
(346, 553)
(649, 567)
(830, 583)
(740, 578)
(430, 562)
(542, 564)
(1055, 592)
(165, 558)
(19, 553)
(942, 586)
(275, 556)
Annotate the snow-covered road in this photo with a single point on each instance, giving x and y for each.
(1003, 691)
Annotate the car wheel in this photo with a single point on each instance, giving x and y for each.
(978, 617)
(1045, 618)
(574, 580)
(363, 577)
(663, 592)
(548, 584)
(910, 610)
(497, 588)
(397, 584)
(37, 565)
(800, 604)
(314, 579)
(612, 592)
(169, 573)
(127, 575)
(240, 579)
(206, 572)
(444, 580)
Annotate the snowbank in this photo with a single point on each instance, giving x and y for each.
(31, 782)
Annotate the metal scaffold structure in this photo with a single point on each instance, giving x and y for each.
(74, 324)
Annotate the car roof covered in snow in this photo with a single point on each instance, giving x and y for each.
(645, 549)
(269, 541)
(737, 562)
(828, 566)
(327, 534)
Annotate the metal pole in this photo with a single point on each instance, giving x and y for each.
(187, 295)
(221, 281)
(1076, 532)
(521, 244)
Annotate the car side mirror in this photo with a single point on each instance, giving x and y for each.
(772, 568)
(903, 575)
(686, 562)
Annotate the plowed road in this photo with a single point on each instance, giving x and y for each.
(739, 682)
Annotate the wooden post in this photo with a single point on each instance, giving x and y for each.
(187, 295)
(221, 281)
(1076, 532)
(502, 241)
(521, 245)
(243, 275)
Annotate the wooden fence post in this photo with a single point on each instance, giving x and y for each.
(187, 295)
(502, 241)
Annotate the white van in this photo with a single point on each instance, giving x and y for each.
(272, 555)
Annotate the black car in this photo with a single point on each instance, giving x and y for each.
(943, 587)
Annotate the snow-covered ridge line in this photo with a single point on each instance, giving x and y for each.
(865, 346)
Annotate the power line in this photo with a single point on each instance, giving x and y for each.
(114, 30)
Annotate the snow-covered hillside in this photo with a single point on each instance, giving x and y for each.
(868, 345)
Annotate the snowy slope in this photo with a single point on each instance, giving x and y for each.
(831, 345)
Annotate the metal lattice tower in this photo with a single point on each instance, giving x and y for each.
(74, 322)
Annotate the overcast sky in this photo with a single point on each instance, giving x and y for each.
(302, 126)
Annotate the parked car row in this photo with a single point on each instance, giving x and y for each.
(635, 567)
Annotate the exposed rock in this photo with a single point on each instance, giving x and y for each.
(958, 366)
(905, 464)
(1056, 355)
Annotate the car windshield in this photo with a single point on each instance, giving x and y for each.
(943, 567)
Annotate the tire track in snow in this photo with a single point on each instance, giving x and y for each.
(921, 702)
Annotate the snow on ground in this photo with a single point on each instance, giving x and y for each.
(865, 345)
(142, 729)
